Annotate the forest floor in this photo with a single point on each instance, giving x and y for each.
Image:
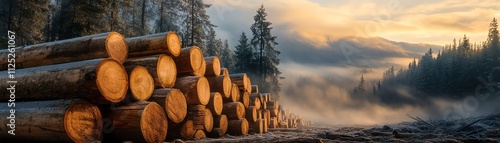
(477, 129)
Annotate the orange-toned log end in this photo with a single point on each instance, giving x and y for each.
(238, 127)
(173, 43)
(242, 80)
(245, 99)
(173, 101)
(224, 72)
(215, 104)
(234, 110)
(195, 88)
(208, 121)
(202, 70)
(83, 122)
(116, 46)
(166, 71)
(154, 124)
(251, 114)
(221, 122)
(255, 102)
(255, 89)
(112, 80)
(248, 86)
(213, 66)
(198, 135)
(141, 83)
(221, 84)
(189, 60)
(235, 93)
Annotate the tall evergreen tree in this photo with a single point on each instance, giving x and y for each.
(26, 18)
(196, 24)
(244, 55)
(267, 57)
(227, 56)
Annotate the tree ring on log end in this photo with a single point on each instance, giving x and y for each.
(203, 89)
(142, 83)
(177, 97)
(154, 124)
(166, 71)
(112, 80)
(227, 85)
(174, 44)
(209, 120)
(116, 46)
(196, 58)
(83, 121)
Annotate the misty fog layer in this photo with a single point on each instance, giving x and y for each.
(318, 83)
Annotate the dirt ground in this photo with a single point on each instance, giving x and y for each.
(479, 129)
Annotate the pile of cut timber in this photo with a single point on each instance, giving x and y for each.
(143, 89)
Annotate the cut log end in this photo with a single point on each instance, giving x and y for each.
(234, 110)
(216, 103)
(209, 121)
(203, 89)
(173, 101)
(154, 124)
(196, 58)
(83, 122)
(224, 72)
(112, 80)
(245, 99)
(238, 127)
(235, 93)
(212, 66)
(141, 83)
(251, 114)
(174, 44)
(167, 71)
(221, 122)
(116, 46)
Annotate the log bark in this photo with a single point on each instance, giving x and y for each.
(215, 104)
(139, 122)
(234, 110)
(273, 111)
(198, 135)
(256, 127)
(251, 114)
(245, 99)
(141, 83)
(195, 88)
(184, 130)
(242, 81)
(161, 67)
(221, 84)
(238, 127)
(255, 102)
(220, 122)
(255, 89)
(105, 45)
(235, 93)
(283, 124)
(273, 103)
(189, 61)
(100, 80)
(202, 117)
(173, 101)
(162, 43)
(273, 123)
(224, 72)
(212, 66)
(72, 120)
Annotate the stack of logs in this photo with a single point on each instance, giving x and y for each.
(143, 89)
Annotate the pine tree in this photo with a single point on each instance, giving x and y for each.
(196, 25)
(169, 16)
(227, 56)
(244, 55)
(80, 18)
(361, 88)
(26, 18)
(493, 44)
(268, 60)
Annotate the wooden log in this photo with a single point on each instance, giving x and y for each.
(103, 45)
(161, 67)
(255, 102)
(224, 72)
(189, 60)
(202, 117)
(273, 103)
(208, 121)
(198, 135)
(234, 110)
(215, 104)
(264, 105)
(139, 122)
(221, 84)
(141, 83)
(184, 130)
(256, 127)
(216, 133)
(251, 114)
(198, 72)
(162, 43)
(268, 117)
(265, 125)
(173, 101)
(255, 89)
(100, 80)
(283, 124)
(220, 121)
(235, 93)
(242, 81)
(212, 66)
(238, 127)
(245, 99)
(273, 123)
(273, 111)
(259, 114)
(72, 120)
(195, 88)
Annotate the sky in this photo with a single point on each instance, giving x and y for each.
(320, 21)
